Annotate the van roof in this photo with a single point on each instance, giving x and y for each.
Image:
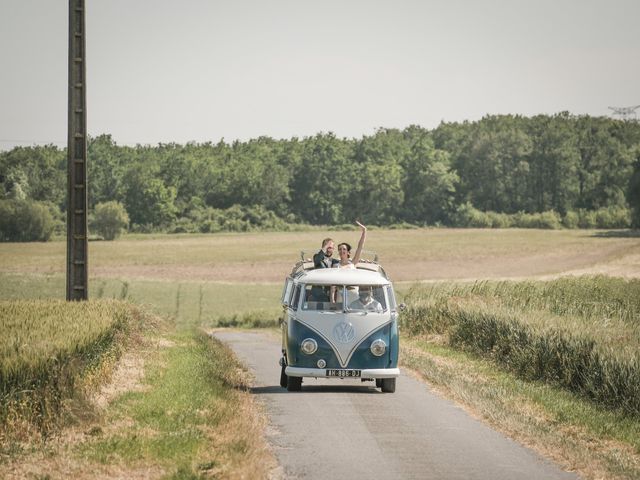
(342, 276)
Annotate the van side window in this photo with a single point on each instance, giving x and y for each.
(286, 291)
(378, 294)
(392, 299)
(296, 298)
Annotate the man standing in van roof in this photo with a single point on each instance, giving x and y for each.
(323, 259)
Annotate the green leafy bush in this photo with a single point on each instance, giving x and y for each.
(547, 220)
(110, 219)
(25, 221)
(468, 216)
(586, 218)
(500, 220)
(571, 220)
(613, 217)
(237, 218)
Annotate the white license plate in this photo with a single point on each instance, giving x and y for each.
(342, 373)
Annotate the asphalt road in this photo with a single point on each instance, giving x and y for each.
(348, 429)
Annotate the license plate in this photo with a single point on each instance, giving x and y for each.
(342, 373)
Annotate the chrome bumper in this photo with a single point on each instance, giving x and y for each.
(322, 372)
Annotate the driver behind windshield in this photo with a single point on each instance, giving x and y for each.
(365, 301)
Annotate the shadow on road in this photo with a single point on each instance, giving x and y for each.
(270, 389)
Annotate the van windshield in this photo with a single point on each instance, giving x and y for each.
(364, 298)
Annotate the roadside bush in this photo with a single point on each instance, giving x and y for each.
(59, 218)
(579, 333)
(547, 220)
(110, 219)
(255, 319)
(500, 220)
(401, 226)
(558, 357)
(347, 227)
(467, 216)
(613, 217)
(586, 218)
(25, 221)
(571, 220)
(146, 228)
(237, 218)
(184, 225)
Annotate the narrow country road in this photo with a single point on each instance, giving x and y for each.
(346, 429)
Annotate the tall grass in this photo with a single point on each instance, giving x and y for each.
(581, 333)
(52, 351)
(187, 303)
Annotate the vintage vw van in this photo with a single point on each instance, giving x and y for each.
(339, 323)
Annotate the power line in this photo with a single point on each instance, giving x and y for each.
(626, 113)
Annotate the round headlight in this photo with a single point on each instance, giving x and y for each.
(378, 347)
(309, 346)
(321, 363)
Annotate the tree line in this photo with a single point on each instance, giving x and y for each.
(505, 170)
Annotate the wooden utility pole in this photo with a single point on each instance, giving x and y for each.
(77, 202)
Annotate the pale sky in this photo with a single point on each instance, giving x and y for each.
(162, 71)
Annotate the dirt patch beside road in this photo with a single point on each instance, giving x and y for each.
(612, 260)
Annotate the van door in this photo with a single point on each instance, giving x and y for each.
(286, 292)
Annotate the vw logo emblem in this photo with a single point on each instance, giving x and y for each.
(344, 332)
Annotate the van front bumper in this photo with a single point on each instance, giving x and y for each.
(322, 372)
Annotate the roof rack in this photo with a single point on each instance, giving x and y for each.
(305, 256)
(306, 263)
(301, 266)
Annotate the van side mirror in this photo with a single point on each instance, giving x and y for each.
(402, 307)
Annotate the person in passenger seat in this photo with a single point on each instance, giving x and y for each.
(366, 301)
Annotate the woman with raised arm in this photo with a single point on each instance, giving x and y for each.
(344, 250)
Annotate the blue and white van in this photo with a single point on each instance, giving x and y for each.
(339, 323)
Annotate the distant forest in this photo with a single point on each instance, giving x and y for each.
(543, 171)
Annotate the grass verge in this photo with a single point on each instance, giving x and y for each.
(178, 407)
(579, 333)
(594, 442)
(195, 417)
(54, 355)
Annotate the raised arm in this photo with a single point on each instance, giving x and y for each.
(363, 236)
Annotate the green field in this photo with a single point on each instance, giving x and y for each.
(580, 333)
(184, 303)
(53, 352)
(492, 320)
(60, 370)
(202, 278)
(408, 255)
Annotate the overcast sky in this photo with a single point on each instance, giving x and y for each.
(202, 70)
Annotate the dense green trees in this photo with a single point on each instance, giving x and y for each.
(429, 183)
(322, 179)
(575, 171)
(36, 173)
